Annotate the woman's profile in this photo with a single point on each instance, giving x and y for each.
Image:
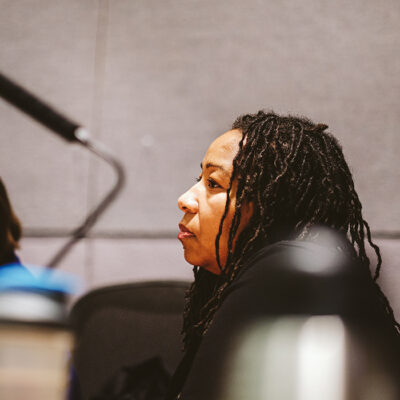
(264, 186)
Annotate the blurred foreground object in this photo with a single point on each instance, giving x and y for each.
(327, 341)
(34, 339)
(310, 358)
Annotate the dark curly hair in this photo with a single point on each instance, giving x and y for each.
(10, 228)
(295, 174)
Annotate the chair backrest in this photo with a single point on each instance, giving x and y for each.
(123, 325)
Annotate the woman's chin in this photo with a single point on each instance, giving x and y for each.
(196, 262)
(192, 259)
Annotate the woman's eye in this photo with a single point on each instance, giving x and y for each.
(212, 184)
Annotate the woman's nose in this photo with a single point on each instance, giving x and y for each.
(187, 202)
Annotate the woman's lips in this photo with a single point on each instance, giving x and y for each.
(184, 232)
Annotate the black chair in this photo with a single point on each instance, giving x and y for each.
(124, 325)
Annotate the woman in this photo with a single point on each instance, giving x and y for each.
(264, 185)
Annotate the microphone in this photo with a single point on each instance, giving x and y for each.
(38, 110)
(72, 132)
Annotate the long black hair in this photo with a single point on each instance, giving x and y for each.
(295, 175)
(10, 228)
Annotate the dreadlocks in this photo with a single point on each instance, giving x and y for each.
(295, 175)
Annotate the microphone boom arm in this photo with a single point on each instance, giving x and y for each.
(43, 113)
(81, 232)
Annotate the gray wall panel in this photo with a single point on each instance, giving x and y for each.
(48, 47)
(121, 261)
(177, 74)
(389, 279)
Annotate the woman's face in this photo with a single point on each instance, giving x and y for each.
(204, 205)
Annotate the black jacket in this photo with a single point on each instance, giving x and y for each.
(286, 278)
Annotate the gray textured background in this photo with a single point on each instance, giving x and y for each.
(156, 81)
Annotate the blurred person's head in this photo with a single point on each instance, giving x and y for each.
(270, 178)
(10, 228)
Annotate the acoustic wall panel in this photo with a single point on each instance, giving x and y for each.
(178, 73)
(48, 47)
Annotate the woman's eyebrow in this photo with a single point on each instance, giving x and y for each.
(212, 165)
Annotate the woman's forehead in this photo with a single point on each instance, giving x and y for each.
(229, 138)
(224, 148)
